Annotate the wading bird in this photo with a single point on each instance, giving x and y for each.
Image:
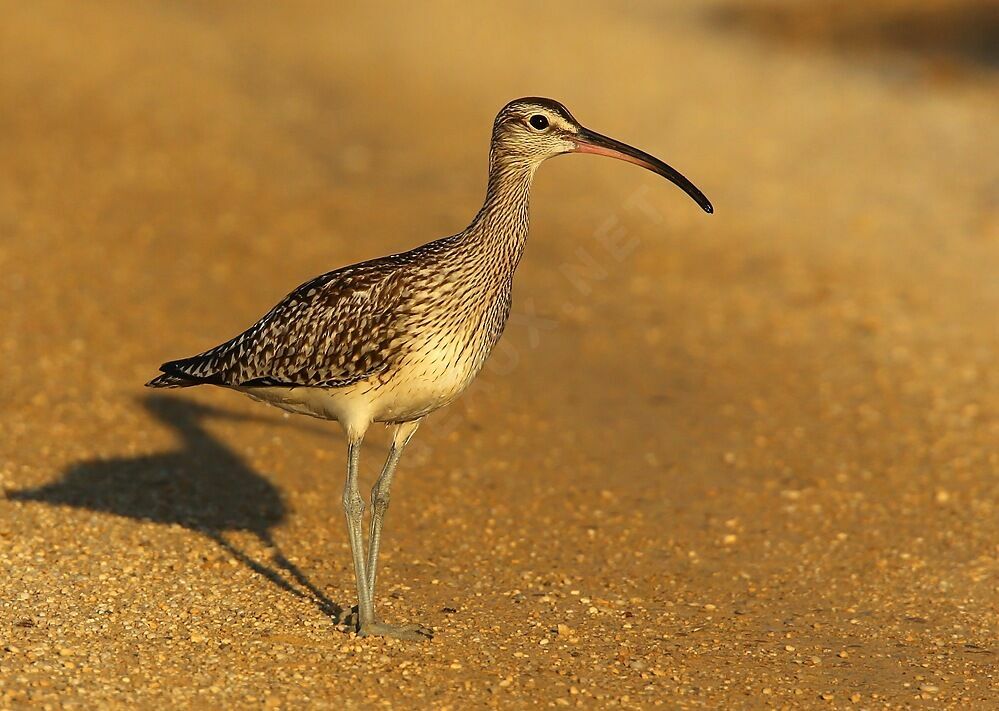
(393, 339)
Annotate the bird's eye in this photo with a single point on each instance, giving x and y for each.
(539, 122)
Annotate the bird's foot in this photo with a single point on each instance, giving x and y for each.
(413, 631)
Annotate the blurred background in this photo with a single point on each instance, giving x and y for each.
(744, 459)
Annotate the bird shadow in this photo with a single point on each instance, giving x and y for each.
(203, 486)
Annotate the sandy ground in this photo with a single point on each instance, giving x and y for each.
(747, 460)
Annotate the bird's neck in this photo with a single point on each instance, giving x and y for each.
(500, 228)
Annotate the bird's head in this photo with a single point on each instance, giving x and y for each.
(531, 130)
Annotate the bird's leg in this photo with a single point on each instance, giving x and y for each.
(353, 507)
(379, 503)
(380, 494)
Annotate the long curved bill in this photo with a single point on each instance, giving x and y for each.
(588, 141)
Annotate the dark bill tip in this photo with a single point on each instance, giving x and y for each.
(592, 142)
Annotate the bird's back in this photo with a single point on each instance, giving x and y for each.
(360, 322)
(312, 337)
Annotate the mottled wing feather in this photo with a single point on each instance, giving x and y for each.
(330, 332)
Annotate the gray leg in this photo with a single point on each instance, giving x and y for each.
(380, 495)
(353, 506)
(379, 503)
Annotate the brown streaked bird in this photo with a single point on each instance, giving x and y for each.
(393, 339)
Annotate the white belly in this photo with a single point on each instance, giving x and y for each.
(423, 382)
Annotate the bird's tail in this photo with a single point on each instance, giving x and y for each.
(172, 380)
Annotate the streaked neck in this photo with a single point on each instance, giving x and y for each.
(501, 226)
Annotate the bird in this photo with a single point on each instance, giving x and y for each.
(393, 339)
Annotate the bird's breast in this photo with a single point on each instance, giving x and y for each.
(439, 364)
(430, 376)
